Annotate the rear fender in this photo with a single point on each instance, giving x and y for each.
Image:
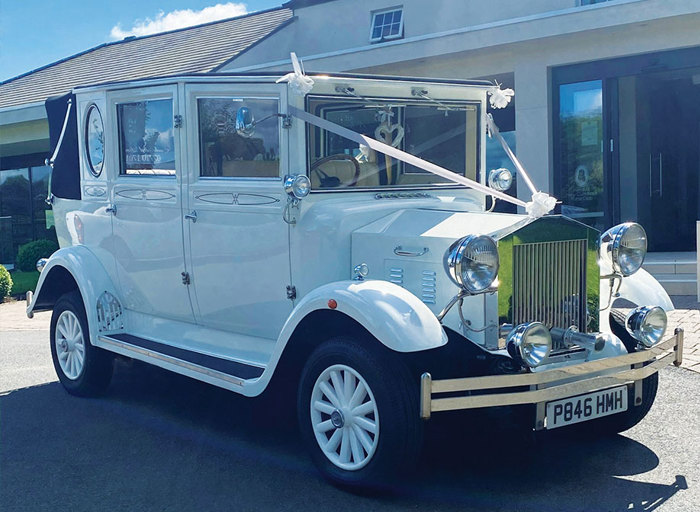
(89, 275)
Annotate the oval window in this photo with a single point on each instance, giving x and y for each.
(95, 140)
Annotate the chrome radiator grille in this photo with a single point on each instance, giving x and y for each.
(549, 283)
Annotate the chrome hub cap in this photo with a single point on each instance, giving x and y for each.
(337, 419)
(70, 345)
(344, 417)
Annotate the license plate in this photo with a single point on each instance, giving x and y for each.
(586, 407)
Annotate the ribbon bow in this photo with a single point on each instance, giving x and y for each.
(298, 81)
(500, 98)
(540, 205)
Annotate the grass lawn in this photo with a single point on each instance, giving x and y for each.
(22, 282)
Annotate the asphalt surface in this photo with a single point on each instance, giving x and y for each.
(159, 441)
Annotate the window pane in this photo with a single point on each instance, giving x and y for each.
(377, 32)
(386, 29)
(224, 152)
(397, 16)
(378, 20)
(395, 29)
(15, 212)
(581, 136)
(147, 145)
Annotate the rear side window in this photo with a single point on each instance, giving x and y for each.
(225, 151)
(146, 141)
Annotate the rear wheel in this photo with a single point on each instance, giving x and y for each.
(358, 413)
(83, 370)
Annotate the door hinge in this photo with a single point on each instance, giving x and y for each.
(286, 121)
(177, 121)
(185, 278)
(291, 292)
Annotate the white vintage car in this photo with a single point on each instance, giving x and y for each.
(335, 230)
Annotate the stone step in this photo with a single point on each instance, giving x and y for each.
(655, 268)
(678, 284)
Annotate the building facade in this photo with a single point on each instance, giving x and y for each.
(607, 106)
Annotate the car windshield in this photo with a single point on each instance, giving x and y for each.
(442, 133)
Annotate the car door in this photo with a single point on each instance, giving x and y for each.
(147, 203)
(238, 241)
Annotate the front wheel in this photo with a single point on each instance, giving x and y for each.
(358, 413)
(83, 370)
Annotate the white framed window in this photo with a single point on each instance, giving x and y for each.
(387, 24)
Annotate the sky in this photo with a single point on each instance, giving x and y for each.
(34, 33)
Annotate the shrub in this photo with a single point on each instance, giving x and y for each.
(28, 254)
(5, 283)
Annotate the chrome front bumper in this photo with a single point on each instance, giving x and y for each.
(545, 386)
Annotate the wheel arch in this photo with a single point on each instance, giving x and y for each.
(377, 311)
(68, 269)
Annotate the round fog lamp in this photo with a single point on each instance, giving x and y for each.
(500, 179)
(530, 343)
(297, 186)
(647, 325)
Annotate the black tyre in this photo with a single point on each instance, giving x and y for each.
(358, 413)
(83, 370)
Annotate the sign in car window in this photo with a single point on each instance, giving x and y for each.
(146, 141)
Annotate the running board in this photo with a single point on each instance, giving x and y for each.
(233, 372)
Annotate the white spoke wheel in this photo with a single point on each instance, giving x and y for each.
(83, 370)
(344, 417)
(358, 412)
(70, 344)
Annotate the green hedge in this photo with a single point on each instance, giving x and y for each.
(5, 283)
(28, 254)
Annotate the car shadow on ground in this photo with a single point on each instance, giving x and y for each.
(162, 441)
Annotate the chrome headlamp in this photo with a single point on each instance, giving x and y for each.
(472, 263)
(647, 325)
(624, 247)
(529, 344)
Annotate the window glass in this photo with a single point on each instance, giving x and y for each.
(441, 133)
(15, 212)
(94, 140)
(224, 152)
(387, 25)
(581, 149)
(146, 141)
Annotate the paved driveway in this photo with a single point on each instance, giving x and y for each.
(159, 441)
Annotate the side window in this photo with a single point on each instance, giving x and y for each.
(227, 152)
(146, 142)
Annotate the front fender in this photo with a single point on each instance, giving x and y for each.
(641, 288)
(85, 269)
(393, 315)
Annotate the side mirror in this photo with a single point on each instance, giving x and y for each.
(245, 123)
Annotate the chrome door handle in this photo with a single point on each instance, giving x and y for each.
(192, 216)
(400, 251)
(112, 208)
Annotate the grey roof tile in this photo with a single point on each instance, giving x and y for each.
(193, 49)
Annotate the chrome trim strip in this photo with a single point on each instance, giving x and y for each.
(549, 384)
(171, 360)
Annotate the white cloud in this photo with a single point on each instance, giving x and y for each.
(179, 19)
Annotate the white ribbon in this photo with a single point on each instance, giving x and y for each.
(400, 155)
(299, 83)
